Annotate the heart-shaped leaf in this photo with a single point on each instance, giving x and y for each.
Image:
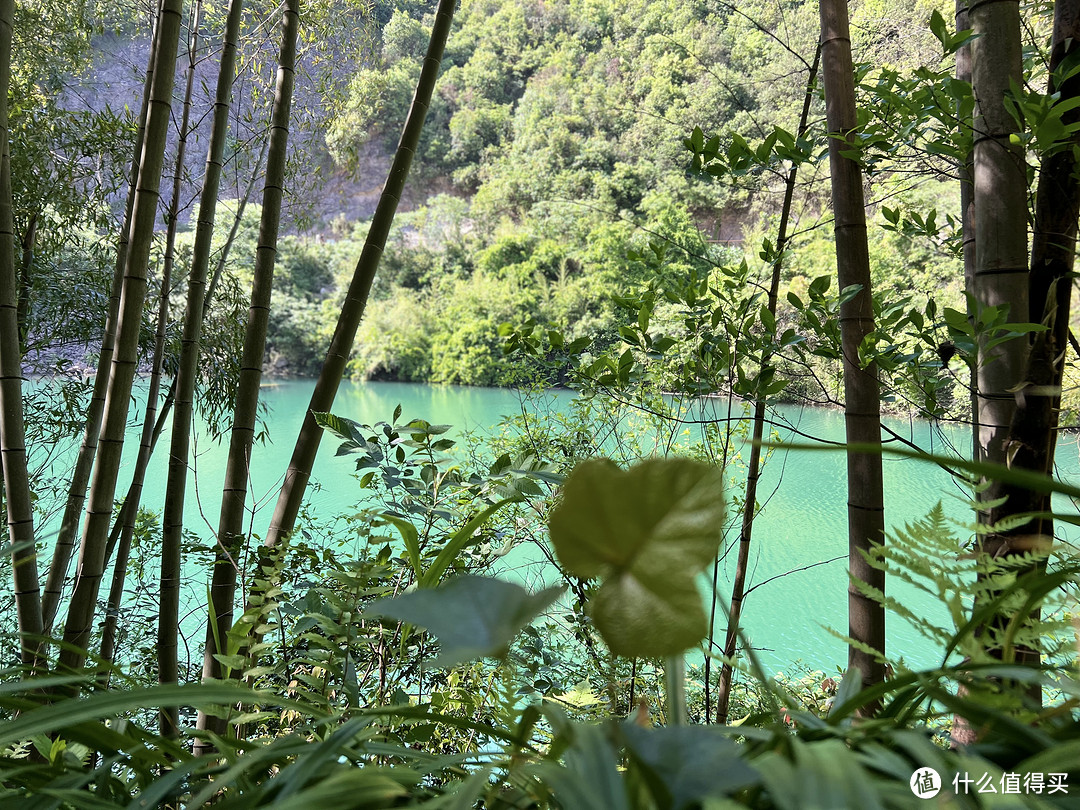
(647, 532)
(473, 617)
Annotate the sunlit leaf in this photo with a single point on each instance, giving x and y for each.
(647, 531)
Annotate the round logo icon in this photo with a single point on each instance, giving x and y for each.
(925, 783)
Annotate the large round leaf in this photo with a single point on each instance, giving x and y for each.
(647, 532)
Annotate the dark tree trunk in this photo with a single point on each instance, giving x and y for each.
(1032, 435)
(866, 522)
(753, 473)
(322, 399)
(151, 421)
(84, 462)
(18, 500)
(1000, 213)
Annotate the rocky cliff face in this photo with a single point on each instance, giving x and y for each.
(321, 199)
(318, 194)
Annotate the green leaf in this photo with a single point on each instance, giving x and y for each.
(1023, 328)
(938, 29)
(690, 762)
(849, 687)
(411, 538)
(648, 531)
(457, 541)
(461, 795)
(473, 617)
(347, 787)
(590, 780)
(342, 428)
(819, 285)
(232, 661)
(643, 318)
(823, 774)
(54, 717)
(1062, 756)
(957, 320)
(768, 320)
(849, 292)
(697, 139)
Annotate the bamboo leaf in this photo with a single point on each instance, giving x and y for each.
(65, 713)
(457, 542)
(409, 536)
(690, 762)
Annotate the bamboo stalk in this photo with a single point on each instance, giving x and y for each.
(82, 609)
(19, 501)
(322, 399)
(230, 532)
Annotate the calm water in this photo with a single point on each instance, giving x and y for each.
(802, 524)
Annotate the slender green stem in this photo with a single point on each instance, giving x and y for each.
(675, 676)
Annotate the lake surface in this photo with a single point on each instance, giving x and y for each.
(802, 523)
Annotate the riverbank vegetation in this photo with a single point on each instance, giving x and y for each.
(660, 205)
(557, 165)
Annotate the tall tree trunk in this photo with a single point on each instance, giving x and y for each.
(322, 399)
(194, 315)
(120, 537)
(1001, 261)
(1033, 431)
(84, 462)
(230, 533)
(130, 510)
(1000, 212)
(963, 733)
(19, 505)
(1032, 436)
(966, 172)
(753, 472)
(862, 417)
(125, 357)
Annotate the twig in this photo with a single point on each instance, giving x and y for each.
(753, 588)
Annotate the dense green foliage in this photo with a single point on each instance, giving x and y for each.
(347, 707)
(555, 146)
(601, 187)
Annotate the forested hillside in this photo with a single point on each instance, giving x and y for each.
(554, 153)
(552, 156)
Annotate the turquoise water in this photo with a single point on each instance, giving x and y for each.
(802, 524)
